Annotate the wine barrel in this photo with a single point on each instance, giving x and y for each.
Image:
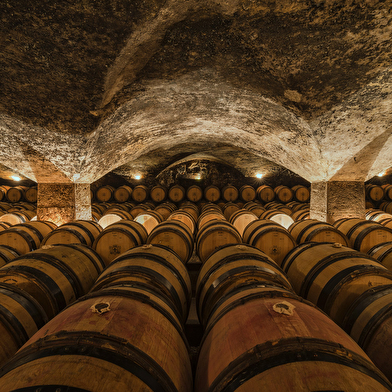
(104, 193)
(301, 193)
(265, 193)
(209, 215)
(140, 193)
(158, 193)
(119, 237)
(387, 222)
(54, 276)
(165, 209)
(21, 316)
(254, 207)
(229, 193)
(382, 253)
(118, 339)
(123, 193)
(76, 232)
(300, 215)
(15, 193)
(241, 218)
(194, 193)
(316, 231)
(31, 194)
(247, 193)
(7, 254)
(156, 268)
(212, 193)
(269, 237)
(175, 235)
(17, 217)
(26, 237)
(374, 192)
(376, 215)
(269, 339)
(230, 267)
(363, 234)
(229, 208)
(332, 276)
(386, 206)
(113, 217)
(279, 217)
(283, 193)
(176, 193)
(184, 217)
(369, 323)
(4, 226)
(214, 234)
(387, 191)
(149, 219)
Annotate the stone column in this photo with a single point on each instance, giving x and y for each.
(332, 200)
(62, 203)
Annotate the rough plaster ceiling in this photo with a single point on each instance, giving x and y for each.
(91, 87)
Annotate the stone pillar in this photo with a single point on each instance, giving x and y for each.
(332, 200)
(62, 203)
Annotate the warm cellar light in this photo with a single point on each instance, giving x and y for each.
(198, 176)
(381, 174)
(16, 178)
(259, 175)
(138, 176)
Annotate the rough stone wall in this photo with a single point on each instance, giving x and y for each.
(333, 200)
(62, 203)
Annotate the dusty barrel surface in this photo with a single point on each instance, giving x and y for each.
(229, 193)
(104, 193)
(149, 219)
(26, 237)
(241, 218)
(271, 337)
(301, 193)
(123, 193)
(214, 234)
(76, 232)
(185, 217)
(18, 217)
(369, 323)
(55, 276)
(316, 231)
(233, 267)
(140, 193)
(158, 193)
(212, 193)
(265, 193)
(154, 267)
(332, 276)
(7, 254)
(113, 216)
(279, 216)
(119, 339)
(194, 193)
(176, 193)
(119, 237)
(363, 234)
(21, 316)
(175, 235)
(270, 237)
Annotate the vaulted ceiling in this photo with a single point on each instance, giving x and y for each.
(125, 86)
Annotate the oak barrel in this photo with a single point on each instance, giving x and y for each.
(55, 276)
(26, 237)
(176, 193)
(140, 193)
(265, 193)
(247, 193)
(158, 193)
(332, 276)
(212, 193)
(117, 339)
(241, 218)
(369, 323)
(283, 193)
(113, 216)
(301, 193)
(231, 267)
(76, 232)
(175, 235)
(374, 192)
(123, 193)
(149, 219)
(185, 217)
(382, 253)
(269, 237)
(266, 338)
(229, 193)
(363, 234)
(194, 193)
(213, 235)
(7, 254)
(165, 209)
(155, 267)
(316, 231)
(119, 237)
(17, 217)
(278, 216)
(104, 193)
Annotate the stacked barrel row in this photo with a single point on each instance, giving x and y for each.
(15, 194)
(195, 193)
(258, 332)
(127, 333)
(377, 195)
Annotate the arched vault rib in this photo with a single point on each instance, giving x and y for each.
(201, 107)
